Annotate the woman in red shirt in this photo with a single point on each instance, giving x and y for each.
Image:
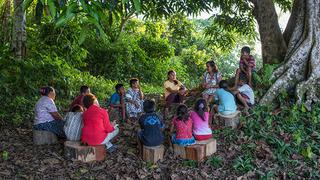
(97, 128)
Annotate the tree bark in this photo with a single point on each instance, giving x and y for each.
(297, 4)
(19, 30)
(274, 47)
(302, 68)
(5, 21)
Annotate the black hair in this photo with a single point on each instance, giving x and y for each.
(182, 113)
(88, 100)
(244, 79)
(224, 85)
(45, 90)
(132, 81)
(170, 72)
(118, 86)
(213, 65)
(149, 106)
(84, 89)
(77, 108)
(245, 49)
(201, 107)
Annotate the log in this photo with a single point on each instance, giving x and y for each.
(44, 137)
(73, 150)
(231, 120)
(152, 154)
(210, 146)
(179, 151)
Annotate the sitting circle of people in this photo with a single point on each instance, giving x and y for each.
(89, 123)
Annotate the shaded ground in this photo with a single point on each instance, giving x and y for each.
(47, 162)
(245, 153)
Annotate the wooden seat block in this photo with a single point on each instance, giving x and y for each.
(74, 150)
(210, 146)
(195, 152)
(44, 137)
(152, 154)
(231, 120)
(179, 151)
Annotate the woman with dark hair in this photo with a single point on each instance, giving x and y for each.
(174, 90)
(97, 128)
(134, 98)
(200, 119)
(47, 117)
(210, 81)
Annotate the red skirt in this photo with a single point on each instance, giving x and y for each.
(203, 137)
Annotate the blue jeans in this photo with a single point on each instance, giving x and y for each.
(55, 126)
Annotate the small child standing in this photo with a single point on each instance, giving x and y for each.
(200, 119)
(211, 79)
(73, 123)
(117, 105)
(247, 65)
(151, 126)
(182, 125)
(134, 98)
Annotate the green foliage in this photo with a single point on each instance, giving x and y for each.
(243, 164)
(292, 132)
(5, 155)
(190, 163)
(215, 161)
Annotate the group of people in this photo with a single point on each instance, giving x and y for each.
(90, 123)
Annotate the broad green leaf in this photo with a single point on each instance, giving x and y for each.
(26, 4)
(83, 35)
(52, 8)
(137, 5)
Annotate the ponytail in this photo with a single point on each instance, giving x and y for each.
(182, 113)
(200, 108)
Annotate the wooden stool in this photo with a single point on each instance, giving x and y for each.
(74, 150)
(152, 154)
(210, 146)
(231, 120)
(44, 137)
(196, 152)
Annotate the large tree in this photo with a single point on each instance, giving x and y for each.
(301, 69)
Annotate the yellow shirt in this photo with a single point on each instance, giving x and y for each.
(171, 85)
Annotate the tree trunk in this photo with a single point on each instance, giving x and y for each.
(297, 4)
(5, 21)
(19, 37)
(302, 68)
(273, 45)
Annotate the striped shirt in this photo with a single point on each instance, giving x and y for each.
(250, 61)
(73, 126)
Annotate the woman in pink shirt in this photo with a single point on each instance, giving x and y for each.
(97, 128)
(200, 119)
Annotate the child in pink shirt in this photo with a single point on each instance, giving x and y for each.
(182, 125)
(200, 119)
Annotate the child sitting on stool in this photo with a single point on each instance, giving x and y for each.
(151, 126)
(182, 125)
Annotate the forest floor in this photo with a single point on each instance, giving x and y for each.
(21, 159)
(238, 156)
